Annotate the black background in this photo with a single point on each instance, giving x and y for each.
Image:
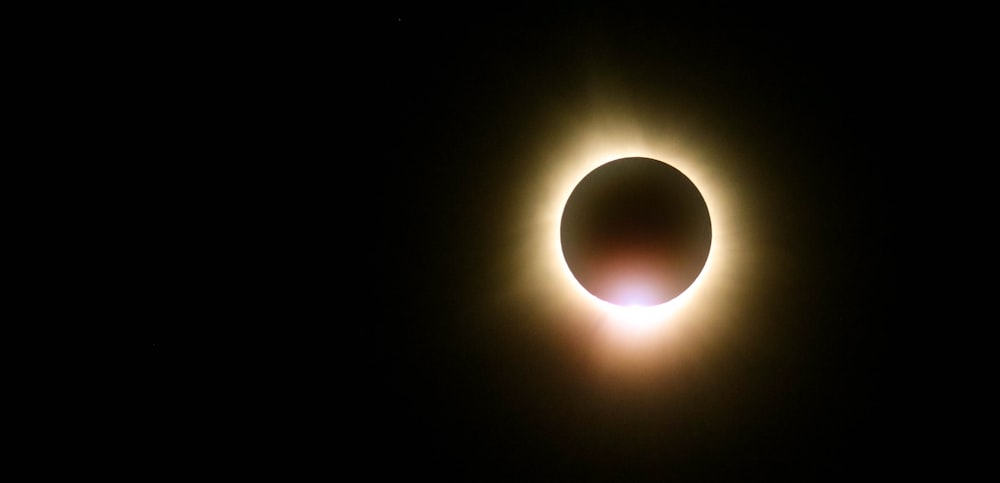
(405, 139)
(479, 398)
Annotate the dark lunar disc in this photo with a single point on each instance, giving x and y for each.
(635, 231)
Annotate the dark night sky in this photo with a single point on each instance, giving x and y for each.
(480, 392)
(445, 375)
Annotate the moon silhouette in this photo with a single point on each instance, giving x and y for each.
(635, 232)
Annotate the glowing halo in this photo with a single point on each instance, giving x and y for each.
(712, 297)
(633, 320)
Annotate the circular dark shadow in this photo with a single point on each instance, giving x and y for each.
(635, 231)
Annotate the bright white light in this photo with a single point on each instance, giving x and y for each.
(633, 322)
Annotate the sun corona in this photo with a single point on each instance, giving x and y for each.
(552, 283)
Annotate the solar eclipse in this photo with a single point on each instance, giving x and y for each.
(656, 304)
(635, 232)
(635, 247)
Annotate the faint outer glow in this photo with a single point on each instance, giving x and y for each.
(710, 298)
